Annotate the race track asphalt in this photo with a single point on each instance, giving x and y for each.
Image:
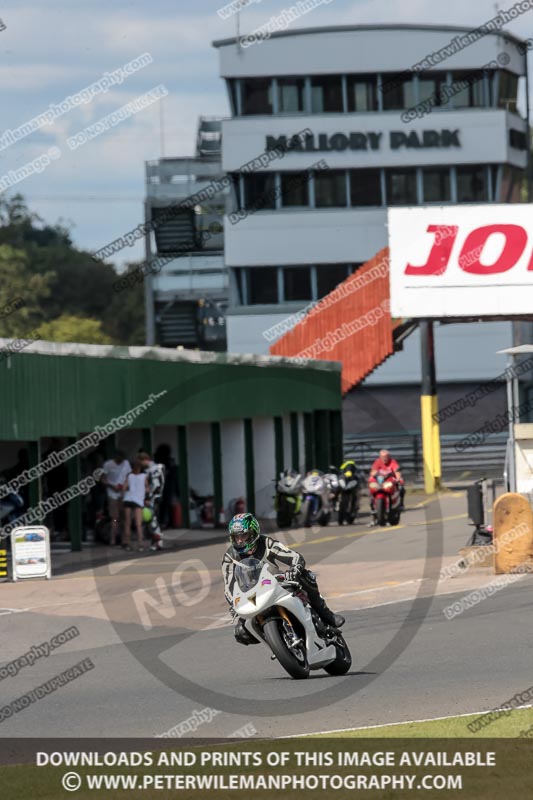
(156, 630)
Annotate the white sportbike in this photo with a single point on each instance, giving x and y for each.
(277, 612)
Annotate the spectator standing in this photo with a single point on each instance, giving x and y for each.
(116, 470)
(135, 491)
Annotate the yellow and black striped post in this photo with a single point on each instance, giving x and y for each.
(3, 564)
(429, 410)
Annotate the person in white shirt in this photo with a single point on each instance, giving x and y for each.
(116, 471)
(135, 490)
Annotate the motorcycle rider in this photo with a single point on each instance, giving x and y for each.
(246, 540)
(156, 483)
(385, 463)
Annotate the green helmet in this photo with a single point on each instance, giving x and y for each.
(244, 525)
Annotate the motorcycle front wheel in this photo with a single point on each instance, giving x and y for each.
(381, 511)
(297, 668)
(343, 660)
(307, 513)
(394, 517)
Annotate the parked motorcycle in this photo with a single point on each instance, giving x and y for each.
(201, 510)
(277, 613)
(384, 489)
(348, 494)
(316, 499)
(288, 497)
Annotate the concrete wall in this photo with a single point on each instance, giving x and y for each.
(233, 472)
(264, 465)
(301, 441)
(482, 134)
(309, 236)
(200, 458)
(365, 48)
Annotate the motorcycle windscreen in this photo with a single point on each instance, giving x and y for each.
(247, 573)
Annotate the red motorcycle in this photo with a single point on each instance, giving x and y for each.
(386, 498)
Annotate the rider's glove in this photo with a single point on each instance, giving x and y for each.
(294, 574)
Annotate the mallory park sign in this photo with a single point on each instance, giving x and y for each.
(337, 142)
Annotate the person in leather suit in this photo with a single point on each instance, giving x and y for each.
(246, 541)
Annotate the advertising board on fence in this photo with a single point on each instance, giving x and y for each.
(461, 261)
(30, 549)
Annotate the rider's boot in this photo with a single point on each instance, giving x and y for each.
(319, 604)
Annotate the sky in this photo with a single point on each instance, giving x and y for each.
(55, 49)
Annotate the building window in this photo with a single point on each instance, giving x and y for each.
(365, 187)
(471, 184)
(512, 182)
(398, 91)
(262, 285)
(326, 94)
(297, 283)
(508, 91)
(256, 95)
(436, 185)
(291, 95)
(330, 189)
(362, 93)
(240, 282)
(401, 187)
(468, 89)
(295, 189)
(232, 92)
(328, 276)
(259, 190)
(430, 85)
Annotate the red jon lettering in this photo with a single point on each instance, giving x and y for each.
(440, 252)
(515, 243)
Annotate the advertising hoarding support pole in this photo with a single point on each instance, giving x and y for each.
(512, 403)
(429, 410)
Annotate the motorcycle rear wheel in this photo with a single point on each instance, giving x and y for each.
(381, 511)
(295, 667)
(343, 660)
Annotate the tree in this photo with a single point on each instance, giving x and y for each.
(69, 328)
(124, 318)
(78, 285)
(22, 293)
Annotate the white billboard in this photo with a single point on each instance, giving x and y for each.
(30, 546)
(461, 261)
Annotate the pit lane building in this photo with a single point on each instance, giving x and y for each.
(363, 149)
(232, 422)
